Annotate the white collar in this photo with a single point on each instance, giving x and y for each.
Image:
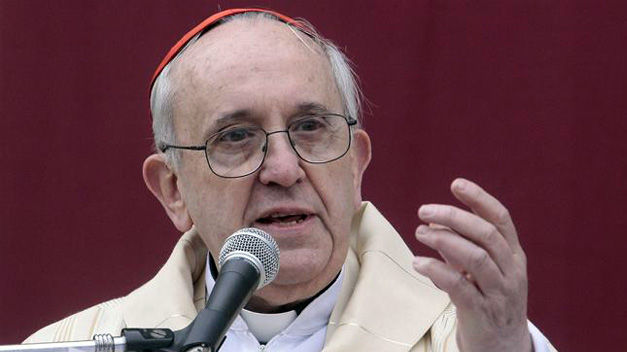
(267, 327)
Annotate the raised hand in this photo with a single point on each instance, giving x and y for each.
(484, 269)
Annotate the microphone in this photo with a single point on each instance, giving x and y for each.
(249, 260)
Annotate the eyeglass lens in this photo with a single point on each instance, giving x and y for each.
(239, 150)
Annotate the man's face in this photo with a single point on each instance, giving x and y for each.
(260, 72)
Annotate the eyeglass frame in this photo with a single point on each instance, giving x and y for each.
(350, 121)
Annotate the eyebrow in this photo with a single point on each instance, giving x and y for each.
(226, 119)
(312, 108)
(229, 117)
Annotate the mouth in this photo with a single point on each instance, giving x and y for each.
(282, 219)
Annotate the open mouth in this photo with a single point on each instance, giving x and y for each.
(279, 219)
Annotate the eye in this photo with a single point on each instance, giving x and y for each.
(235, 135)
(309, 124)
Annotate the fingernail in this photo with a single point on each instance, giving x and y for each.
(426, 210)
(421, 230)
(460, 185)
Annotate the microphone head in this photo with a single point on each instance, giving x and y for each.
(258, 247)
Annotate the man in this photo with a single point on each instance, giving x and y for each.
(256, 121)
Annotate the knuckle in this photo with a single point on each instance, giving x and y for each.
(510, 287)
(449, 213)
(491, 234)
(460, 283)
(515, 288)
(516, 283)
(436, 241)
(503, 217)
(478, 259)
(523, 259)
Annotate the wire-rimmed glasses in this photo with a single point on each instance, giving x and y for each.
(239, 150)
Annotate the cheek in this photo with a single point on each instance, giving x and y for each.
(337, 193)
(216, 207)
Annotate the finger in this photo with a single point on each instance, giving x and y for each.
(450, 261)
(442, 227)
(472, 227)
(462, 292)
(488, 207)
(461, 253)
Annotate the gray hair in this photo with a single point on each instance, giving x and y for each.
(161, 95)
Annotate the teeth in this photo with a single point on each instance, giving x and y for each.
(281, 215)
(284, 219)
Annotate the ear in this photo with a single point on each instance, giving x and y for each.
(162, 181)
(361, 155)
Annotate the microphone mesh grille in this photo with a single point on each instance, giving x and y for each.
(258, 243)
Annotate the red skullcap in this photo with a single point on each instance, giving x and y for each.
(210, 21)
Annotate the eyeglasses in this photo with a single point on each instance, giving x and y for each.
(240, 150)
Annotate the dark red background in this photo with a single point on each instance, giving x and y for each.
(528, 98)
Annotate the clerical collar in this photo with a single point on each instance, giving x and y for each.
(264, 326)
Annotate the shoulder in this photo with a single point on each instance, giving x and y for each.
(102, 318)
(162, 301)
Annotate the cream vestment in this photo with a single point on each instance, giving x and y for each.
(383, 305)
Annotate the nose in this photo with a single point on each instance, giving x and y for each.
(281, 165)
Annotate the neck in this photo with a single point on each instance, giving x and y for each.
(260, 305)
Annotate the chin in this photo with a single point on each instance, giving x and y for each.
(295, 276)
(299, 267)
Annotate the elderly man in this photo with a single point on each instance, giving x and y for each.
(256, 118)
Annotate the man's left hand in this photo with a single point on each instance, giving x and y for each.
(484, 269)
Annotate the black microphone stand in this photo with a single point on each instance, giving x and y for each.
(134, 340)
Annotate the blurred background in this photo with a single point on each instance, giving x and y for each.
(527, 98)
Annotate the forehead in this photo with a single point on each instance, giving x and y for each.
(256, 65)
